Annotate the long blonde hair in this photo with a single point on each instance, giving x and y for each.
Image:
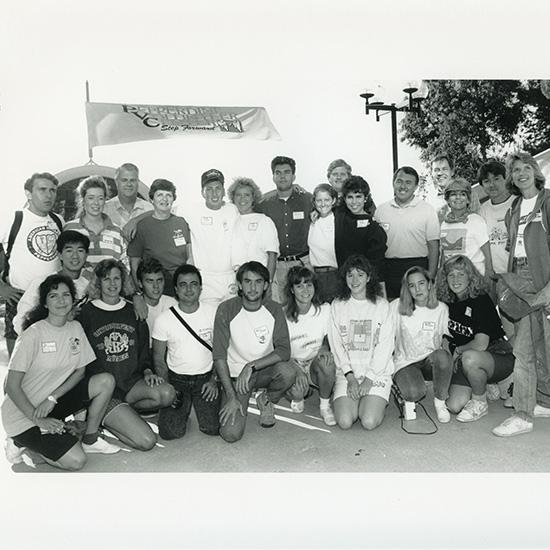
(406, 301)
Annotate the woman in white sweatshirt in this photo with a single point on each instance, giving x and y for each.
(361, 340)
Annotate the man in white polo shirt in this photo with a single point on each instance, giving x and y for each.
(412, 228)
(182, 354)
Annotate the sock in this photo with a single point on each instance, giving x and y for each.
(90, 439)
(439, 402)
(324, 403)
(482, 397)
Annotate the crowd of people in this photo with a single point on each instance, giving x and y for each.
(139, 308)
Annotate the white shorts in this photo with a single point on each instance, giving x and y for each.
(305, 367)
(218, 287)
(381, 387)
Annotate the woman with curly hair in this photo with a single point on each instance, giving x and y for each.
(361, 339)
(254, 234)
(308, 320)
(528, 223)
(481, 355)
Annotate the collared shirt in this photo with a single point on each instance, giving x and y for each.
(120, 216)
(291, 218)
(409, 227)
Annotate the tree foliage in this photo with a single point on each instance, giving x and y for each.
(476, 120)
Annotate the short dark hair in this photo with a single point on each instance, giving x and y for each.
(358, 261)
(29, 184)
(277, 161)
(185, 269)
(409, 170)
(356, 184)
(162, 185)
(443, 156)
(70, 236)
(253, 267)
(148, 266)
(491, 167)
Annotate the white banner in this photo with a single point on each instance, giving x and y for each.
(112, 123)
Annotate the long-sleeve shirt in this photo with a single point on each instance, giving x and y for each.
(361, 337)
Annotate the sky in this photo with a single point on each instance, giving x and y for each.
(306, 61)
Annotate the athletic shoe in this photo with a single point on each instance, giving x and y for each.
(442, 412)
(514, 425)
(472, 411)
(493, 392)
(541, 412)
(297, 406)
(267, 416)
(327, 415)
(14, 454)
(508, 403)
(100, 446)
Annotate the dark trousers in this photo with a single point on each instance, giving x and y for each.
(172, 422)
(276, 379)
(395, 269)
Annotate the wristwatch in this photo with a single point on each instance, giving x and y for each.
(52, 399)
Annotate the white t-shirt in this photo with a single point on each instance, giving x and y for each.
(494, 214)
(527, 206)
(34, 252)
(466, 239)
(165, 302)
(211, 236)
(186, 355)
(321, 242)
(307, 334)
(47, 355)
(254, 235)
(419, 335)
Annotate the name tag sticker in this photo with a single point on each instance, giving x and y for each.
(49, 347)
(206, 220)
(108, 239)
(362, 223)
(468, 311)
(428, 325)
(180, 241)
(298, 215)
(252, 226)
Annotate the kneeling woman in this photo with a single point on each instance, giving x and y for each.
(420, 322)
(121, 344)
(361, 339)
(46, 382)
(481, 355)
(308, 321)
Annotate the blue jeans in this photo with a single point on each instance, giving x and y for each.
(172, 422)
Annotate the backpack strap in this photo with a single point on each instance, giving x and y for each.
(15, 227)
(57, 220)
(191, 331)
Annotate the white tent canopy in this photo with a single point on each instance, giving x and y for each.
(544, 162)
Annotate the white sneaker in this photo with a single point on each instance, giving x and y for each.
(514, 425)
(472, 411)
(327, 414)
(14, 454)
(442, 412)
(508, 403)
(493, 392)
(101, 446)
(297, 406)
(541, 412)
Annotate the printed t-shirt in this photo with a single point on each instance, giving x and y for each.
(47, 355)
(307, 334)
(473, 316)
(418, 335)
(527, 206)
(494, 215)
(241, 336)
(186, 355)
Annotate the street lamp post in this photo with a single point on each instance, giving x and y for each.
(414, 96)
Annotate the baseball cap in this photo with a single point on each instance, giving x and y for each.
(212, 175)
(458, 184)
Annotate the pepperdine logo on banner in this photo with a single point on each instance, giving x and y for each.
(112, 123)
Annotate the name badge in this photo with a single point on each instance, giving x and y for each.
(252, 226)
(428, 325)
(107, 239)
(206, 220)
(298, 215)
(49, 347)
(468, 311)
(362, 223)
(180, 241)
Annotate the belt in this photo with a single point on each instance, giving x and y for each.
(292, 258)
(325, 269)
